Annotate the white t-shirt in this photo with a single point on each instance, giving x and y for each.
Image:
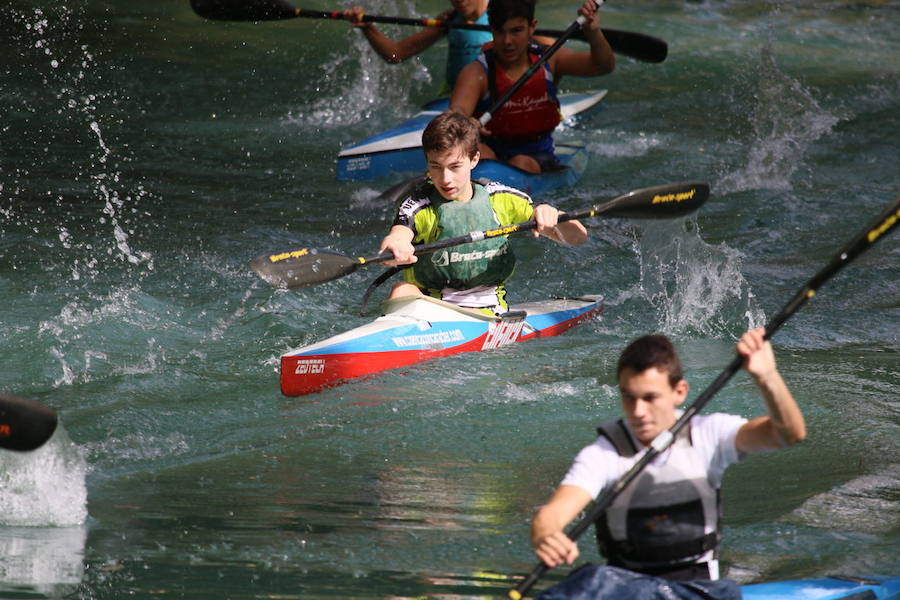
(599, 465)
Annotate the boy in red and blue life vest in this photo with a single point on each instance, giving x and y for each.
(463, 45)
(521, 131)
(450, 204)
(665, 524)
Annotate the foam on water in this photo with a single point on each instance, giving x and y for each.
(43, 558)
(45, 487)
(85, 331)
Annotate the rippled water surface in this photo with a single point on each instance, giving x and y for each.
(146, 155)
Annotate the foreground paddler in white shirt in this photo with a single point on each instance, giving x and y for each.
(666, 523)
(450, 204)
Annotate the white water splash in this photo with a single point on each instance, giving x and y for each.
(80, 335)
(43, 558)
(786, 122)
(48, 33)
(357, 84)
(693, 285)
(113, 206)
(45, 487)
(366, 198)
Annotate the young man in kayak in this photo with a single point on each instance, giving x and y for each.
(666, 522)
(449, 204)
(520, 131)
(464, 45)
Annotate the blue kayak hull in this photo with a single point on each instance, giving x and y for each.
(399, 150)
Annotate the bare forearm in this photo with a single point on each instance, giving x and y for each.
(785, 416)
(784, 424)
(386, 48)
(601, 52)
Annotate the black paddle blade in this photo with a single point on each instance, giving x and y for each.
(639, 46)
(304, 267)
(242, 10)
(658, 202)
(24, 424)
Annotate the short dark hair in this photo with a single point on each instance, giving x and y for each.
(651, 351)
(449, 129)
(501, 11)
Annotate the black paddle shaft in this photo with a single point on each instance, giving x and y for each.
(885, 222)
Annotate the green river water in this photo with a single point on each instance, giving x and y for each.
(146, 155)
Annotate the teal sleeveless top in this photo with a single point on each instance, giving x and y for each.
(464, 47)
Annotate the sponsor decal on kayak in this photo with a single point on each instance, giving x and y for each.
(435, 340)
(363, 163)
(680, 197)
(503, 333)
(442, 259)
(310, 366)
(285, 255)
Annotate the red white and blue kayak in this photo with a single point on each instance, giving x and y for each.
(399, 150)
(828, 588)
(418, 328)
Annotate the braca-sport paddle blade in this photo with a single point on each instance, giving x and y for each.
(304, 267)
(241, 10)
(659, 202)
(24, 424)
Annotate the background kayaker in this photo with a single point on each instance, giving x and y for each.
(463, 45)
(449, 204)
(521, 131)
(666, 523)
